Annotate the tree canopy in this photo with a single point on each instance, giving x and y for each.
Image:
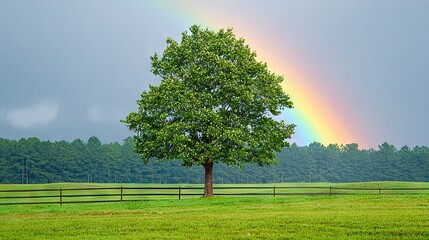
(34, 161)
(215, 103)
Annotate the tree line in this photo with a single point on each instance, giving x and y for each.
(34, 161)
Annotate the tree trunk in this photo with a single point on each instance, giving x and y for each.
(208, 185)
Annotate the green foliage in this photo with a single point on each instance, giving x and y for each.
(215, 104)
(292, 217)
(34, 161)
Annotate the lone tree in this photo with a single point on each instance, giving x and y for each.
(214, 104)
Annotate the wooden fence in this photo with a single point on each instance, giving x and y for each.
(120, 194)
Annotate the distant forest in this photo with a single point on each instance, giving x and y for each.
(34, 161)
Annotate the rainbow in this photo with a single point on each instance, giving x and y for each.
(315, 117)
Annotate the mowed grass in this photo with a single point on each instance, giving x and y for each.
(404, 216)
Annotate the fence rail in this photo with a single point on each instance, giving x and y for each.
(121, 194)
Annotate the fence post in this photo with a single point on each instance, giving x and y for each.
(180, 191)
(274, 191)
(330, 190)
(122, 193)
(379, 190)
(61, 196)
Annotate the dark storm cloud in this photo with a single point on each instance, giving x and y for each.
(90, 59)
(73, 69)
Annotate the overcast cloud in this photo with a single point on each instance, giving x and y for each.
(39, 115)
(73, 69)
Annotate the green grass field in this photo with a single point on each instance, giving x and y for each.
(403, 216)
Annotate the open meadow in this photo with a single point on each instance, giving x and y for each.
(360, 216)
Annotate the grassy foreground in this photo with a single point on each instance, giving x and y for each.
(294, 217)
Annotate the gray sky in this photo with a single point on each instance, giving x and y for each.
(73, 69)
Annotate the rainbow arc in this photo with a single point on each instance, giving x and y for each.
(316, 119)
